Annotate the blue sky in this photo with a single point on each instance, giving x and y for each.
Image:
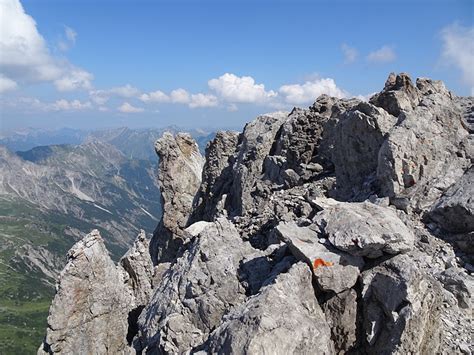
(215, 63)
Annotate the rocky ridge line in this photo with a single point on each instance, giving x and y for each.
(343, 228)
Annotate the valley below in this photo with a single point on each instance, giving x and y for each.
(50, 197)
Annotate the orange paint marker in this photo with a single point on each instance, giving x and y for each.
(320, 262)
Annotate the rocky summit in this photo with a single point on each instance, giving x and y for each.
(346, 227)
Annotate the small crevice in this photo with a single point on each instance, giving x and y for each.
(133, 323)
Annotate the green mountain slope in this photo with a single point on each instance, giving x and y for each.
(49, 198)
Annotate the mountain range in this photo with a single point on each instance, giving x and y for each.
(51, 196)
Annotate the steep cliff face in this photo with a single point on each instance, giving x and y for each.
(342, 228)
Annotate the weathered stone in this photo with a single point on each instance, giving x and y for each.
(363, 229)
(291, 178)
(466, 105)
(336, 278)
(341, 314)
(273, 168)
(216, 175)
(401, 308)
(196, 291)
(455, 209)
(270, 323)
(179, 179)
(359, 135)
(423, 155)
(90, 310)
(459, 284)
(306, 246)
(399, 95)
(254, 144)
(138, 269)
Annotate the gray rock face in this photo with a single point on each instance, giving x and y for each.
(179, 179)
(195, 292)
(90, 310)
(399, 95)
(460, 285)
(341, 315)
(359, 135)
(455, 209)
(363, 229)
(271, 324)
(401, 308)
(138, 269)
(423, 155)
(254, 144)
(336, 278)
(216, 175)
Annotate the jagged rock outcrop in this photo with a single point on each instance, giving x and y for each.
(399, 95)
(138, 269)
(341, 315)
(179, 179)
(255, 143)
(423, 154)
(96, 304)
(216, 176)
(358, 137)
(196, 291)
(333, 229)
(90, 310)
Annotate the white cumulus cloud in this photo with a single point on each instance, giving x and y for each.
(310, 90)
(155, 96)
(350, 53)
(243, 89)
(128, 108)
(179, 96)
(458, 50)
(25, 57)
(384, 54)
(203, 100)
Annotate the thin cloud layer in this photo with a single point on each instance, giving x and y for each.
(73, 105)
(384, 54)
(350, 53)
(458, 50)
(100, 97)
